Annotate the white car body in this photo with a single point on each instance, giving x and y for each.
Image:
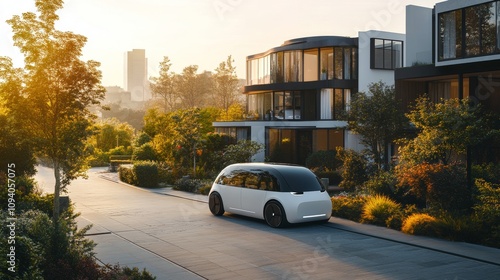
(247, 188)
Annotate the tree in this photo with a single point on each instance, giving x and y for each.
(54, 91)
(15, 145)
(225, 84)
(163, 86)
(378, 120)
(445, 130)
(190, 89)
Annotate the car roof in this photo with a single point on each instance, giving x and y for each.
(270, 165)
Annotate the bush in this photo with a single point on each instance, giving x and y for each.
(146, 173)
(487, 211)
(348, 207)
(382, 211)
(323, 160)
(127, 175)
(144, 152)
(354, 169)
(421, 224)
(382, 183)
(192, 185)
(440, 186)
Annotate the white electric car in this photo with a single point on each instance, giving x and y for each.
(277, 193)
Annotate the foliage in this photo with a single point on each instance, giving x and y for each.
(377, 118)
(444, 129)
(146, 173)
(440, 186)
(354, 169)
(234, 113)
(193, 185)
(133, 117)
(15, 147)
(110, 134)
(489, 172)
(241, 151)
(348, 206)
(420, 224)
(127, 175)
(163, 86)
(382, 183)
(52, 94)
(323, 160)
(225, 85)
(487, 211)
(381, 210)
(144, 152)
(142, 139)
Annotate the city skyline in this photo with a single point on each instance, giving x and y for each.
(203, 33)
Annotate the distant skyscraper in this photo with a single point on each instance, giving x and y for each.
(136, 73)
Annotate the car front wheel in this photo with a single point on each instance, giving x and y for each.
(215, 204)
(275, 215)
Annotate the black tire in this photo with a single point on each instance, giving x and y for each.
(275, 215)
(215, 204)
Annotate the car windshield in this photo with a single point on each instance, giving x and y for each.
(300, 180)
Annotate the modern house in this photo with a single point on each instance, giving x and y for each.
(452, 51)
(296, 92)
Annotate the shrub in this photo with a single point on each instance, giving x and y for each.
(348, 207)
(381, 210)
(421, 224)
(144, 152)
(487, 211)
(165, 173)
(127, 175)
(146, 173)
(382, 183)
(354, 169)
(323, 160)
(192, 185)
(440, 186)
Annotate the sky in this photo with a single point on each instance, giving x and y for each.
(203, 32)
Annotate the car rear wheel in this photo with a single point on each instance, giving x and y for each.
(215, 204)
(275, 215)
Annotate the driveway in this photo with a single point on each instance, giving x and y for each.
(178, 238)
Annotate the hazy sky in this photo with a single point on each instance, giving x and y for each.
(204, 32)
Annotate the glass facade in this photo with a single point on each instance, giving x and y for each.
(386, 54)
(469, 32)
(303, 66)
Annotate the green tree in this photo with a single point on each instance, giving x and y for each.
(190, 88)
(15, 145)
(378, 120)
(112, 133)
(54, 92)
(163, 86)
(225, 84)
(445, 130)
(243, 151)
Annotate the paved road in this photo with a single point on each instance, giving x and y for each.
(177, 238)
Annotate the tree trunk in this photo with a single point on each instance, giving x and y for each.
(57, 190)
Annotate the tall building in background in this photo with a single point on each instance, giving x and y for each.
(136, 74)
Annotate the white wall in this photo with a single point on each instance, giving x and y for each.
(366, 76)
(418, 35)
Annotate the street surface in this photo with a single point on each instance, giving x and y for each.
(176, 238)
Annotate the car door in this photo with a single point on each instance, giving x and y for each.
(253, 195)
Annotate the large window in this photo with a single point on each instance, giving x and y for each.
(311, 65)
(326, 64)
(386, 54)
(333, 103)
(450, 25)
(293, 66)
(471, 31)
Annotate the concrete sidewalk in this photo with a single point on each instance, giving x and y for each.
(461, 249)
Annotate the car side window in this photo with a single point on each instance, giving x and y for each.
(268, 182)
(252, 181)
